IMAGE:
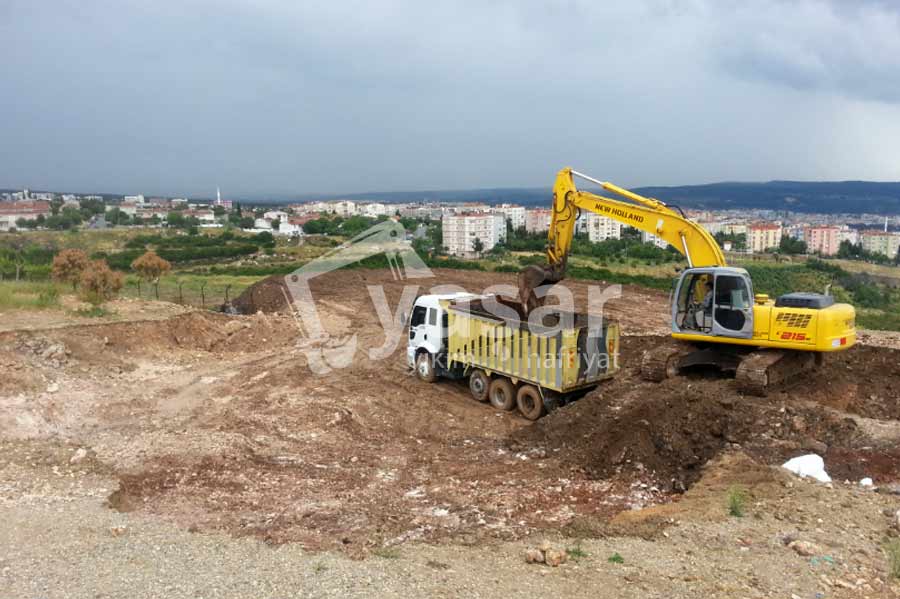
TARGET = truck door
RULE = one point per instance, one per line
(733, 306)
(417, 326)
(425, 329)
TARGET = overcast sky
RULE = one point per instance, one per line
(286, 96)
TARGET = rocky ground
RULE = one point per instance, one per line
(194, 454)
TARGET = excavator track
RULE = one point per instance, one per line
(761, 371)
(662, 362)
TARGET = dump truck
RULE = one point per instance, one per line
(510, 361)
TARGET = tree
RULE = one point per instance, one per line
(477, 246)
(69, 265)
(99, 283)
(151, 268)
(789, 245)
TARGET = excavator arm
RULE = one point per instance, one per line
(646, 214)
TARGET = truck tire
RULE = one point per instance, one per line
(479, 383)
(502, 394)
(530, 403)
(425, 367)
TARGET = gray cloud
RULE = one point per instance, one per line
(288, 97)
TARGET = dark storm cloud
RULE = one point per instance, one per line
(283, 96)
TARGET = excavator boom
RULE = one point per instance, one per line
(647, 214)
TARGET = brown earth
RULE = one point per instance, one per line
(217, 423)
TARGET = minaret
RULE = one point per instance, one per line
(218, 197)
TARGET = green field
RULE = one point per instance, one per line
(209, 280)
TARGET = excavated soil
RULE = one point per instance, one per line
(217, 422)
(269, 295)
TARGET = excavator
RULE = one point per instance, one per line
(717, 320)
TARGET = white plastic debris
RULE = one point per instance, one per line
(809, 465)
(866, 482)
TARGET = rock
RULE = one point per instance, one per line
(893, 489)
(799, 424)
(79, 455)
(554, 557)
(546, 546)
(534, 556)
(813, 445)
(52, 387)
(866, 482)
(118, 531)
(844, 584)
(897, 520)
(805, 548)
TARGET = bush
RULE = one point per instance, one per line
(69, 265)
(99, 283)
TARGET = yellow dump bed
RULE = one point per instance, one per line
(564, 353)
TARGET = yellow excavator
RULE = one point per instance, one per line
(717, 320)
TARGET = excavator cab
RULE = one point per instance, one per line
(715, 301)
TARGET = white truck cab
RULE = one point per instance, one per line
(428, 331)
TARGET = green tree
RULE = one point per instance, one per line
(789, 245)
(477, 246)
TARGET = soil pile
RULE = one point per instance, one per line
(670, 430)
(269, 296)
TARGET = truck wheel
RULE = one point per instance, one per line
(478, 385)
(502, 394)
(530, 403)
(425, 367)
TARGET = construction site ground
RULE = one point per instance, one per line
(181, 453)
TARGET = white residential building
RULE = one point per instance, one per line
(651, 238)
(462, 229)
(848, 234)
(261, 223)
(763, 236)
(537, 220)
(514, 214)
(344, 208)
(275, 215)
(138, 199)
(373, 209)
(601, 228)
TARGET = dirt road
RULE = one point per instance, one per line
(204, 435)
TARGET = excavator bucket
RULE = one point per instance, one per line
(530, 278)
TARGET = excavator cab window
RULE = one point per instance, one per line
(733, 305)
(694, 312)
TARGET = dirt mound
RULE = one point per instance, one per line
(670, 430)
(269, 296)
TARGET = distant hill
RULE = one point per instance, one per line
(797, 196)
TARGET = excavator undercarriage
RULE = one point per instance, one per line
(756, 370)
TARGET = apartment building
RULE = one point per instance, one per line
(824, 240)
(601, 228)
(537, 220)
(880, 242)
(651, 238)
(28, 210)
(460, 230)
(848, 234)
(763, 236)
(514, 214)
(374, 209)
